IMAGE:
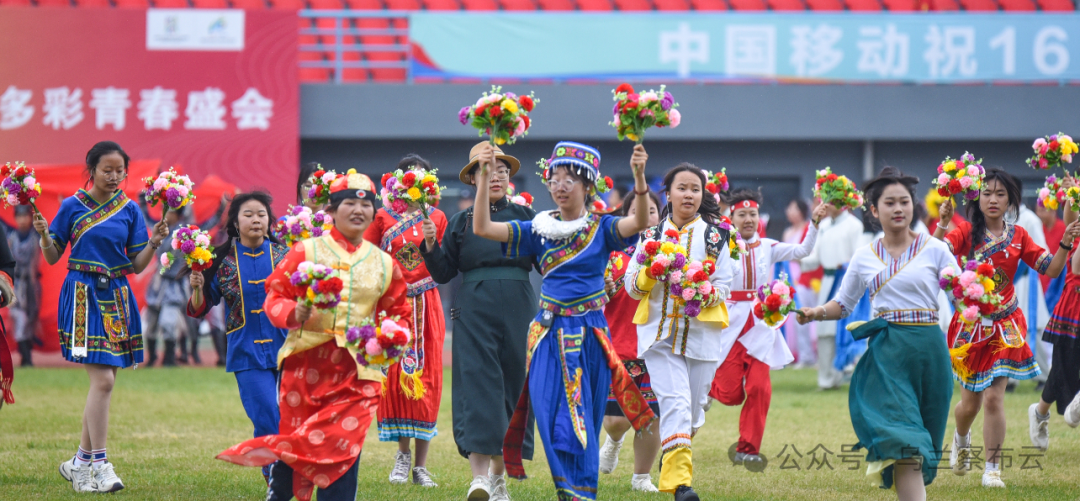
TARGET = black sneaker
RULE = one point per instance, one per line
(685, 493)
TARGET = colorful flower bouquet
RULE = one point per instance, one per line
(524, 198)
(962, 176)
(1052, 151)
(615, 262)
(662, 258)
(379, 343)
(504, 117)
(19, 187)
(299, 223)
(320, 186)
(1073, 195)
(736, 244)
(1051, 195)
(172, 190)
(320, 285)
(634, 113)
(692, 286)
(774, 302)
(837, 190)
(412, 186)
(717, 183)
(194, 244)
(973, 289)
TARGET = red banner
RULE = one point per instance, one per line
(221, 97)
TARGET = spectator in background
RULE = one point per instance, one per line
(801, 341)
(24, 313)
(163, 312)
(616, 197)
(1053, 229)
(303, 184)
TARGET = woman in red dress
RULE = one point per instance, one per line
(620, 314)
(409, 406)
(986, 356)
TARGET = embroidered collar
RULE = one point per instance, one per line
(87, 200)
(992, 245)
(547, 225)
(684, 227)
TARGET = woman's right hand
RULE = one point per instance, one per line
(804, 315)
(609, 284)
(196, 280)
(302, 313)
(487, 161)
(41, 225)
(945, 213)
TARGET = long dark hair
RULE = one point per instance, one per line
(306, 170)
(709, 210)
(975, 213)
(876, 187)
(232, 229)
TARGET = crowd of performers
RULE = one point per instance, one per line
(603, 347)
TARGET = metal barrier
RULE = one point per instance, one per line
(345, 41)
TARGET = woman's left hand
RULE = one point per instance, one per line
(1072, 232)
(818, 214)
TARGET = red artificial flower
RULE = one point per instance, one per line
(1053, 145)
(958, 291)
(820, 182)
(20, 171)
(598, 205)
(631, 102)
(610, 184)
(496, 111)
(709, 266)
(525, 118)
(831, 177)
(386, 342)
(671, 234)
(624, 88)
(700, 276)
(652, 247)
(757, 311)
(526, 103)
(772, 302)
(943, 191)
(986, 308)
(711, 187)
(429, 186)
(528, 198)
(985, 269)
(332, 285)
(318, 173)
(319, 190)
(6, 169)
(408, 179)
(386, 177)
(955, 187)
(656, 270)
(400, 338)
(480, 110)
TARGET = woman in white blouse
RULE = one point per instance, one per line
(901, 388)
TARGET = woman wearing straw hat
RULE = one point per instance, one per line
(491, 317)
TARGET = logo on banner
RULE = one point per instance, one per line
(195, 30)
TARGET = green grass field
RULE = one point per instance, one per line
(167, 425)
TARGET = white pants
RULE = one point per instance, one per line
(681, 386)
(827, 376)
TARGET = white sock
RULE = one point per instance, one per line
(494, 478)
(645, 476)
(992, 467)
(964, 441)
(1042, 417)
(616, 442)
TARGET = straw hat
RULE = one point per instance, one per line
(474, 159)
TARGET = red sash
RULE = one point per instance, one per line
(740, 296)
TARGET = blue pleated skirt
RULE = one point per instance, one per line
(104, 321)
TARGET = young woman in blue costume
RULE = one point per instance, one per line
(238, 276)
(570, 360)
(98, 318)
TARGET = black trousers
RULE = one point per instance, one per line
(1063, 382)
(281, 484)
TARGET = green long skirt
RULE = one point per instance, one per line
(900, 397)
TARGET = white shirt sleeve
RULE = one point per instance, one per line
(723, 276)
(632, 270)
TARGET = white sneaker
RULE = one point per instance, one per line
(498, 488)
(643, 483)
(81, 477)
(609, 455)
(992, 479)
(105, 479)
(960, 457)
(402, 463)
(422, 477)
(1038, 429)
(480, 489)
(1072, 412)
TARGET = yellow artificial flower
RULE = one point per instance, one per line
(509, 105)
(351, 171)
(631, 136)
(1051, 203)
(500, 141)
(960, 173)
(414, 193)
(950, 166)
(430, 179)
(310, 294)
(667, 247)
(775, 318)
(1073, 191)
(988, 285)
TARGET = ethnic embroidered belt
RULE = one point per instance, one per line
(740, 296)
(420, 287)
(578, 307)
(909, 316)
(99, 270)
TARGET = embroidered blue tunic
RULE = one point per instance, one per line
(568, 376)
(98, 317)
(241, 281)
